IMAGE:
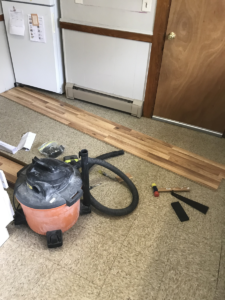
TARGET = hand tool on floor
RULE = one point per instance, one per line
(180, 212)
(117, 178)
(155, 190)
(198, 206)
(166, 190)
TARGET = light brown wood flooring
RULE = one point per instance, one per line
(177, 160)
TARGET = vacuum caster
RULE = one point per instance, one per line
(84, 210)
(19, 217)
(54, 238)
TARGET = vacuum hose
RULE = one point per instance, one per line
(86, 163)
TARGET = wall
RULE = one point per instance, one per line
(105, 64)
(6, 71)
(115, 14)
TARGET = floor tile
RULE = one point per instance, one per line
(220, 289)
(152, 231)
(220, 294)
(201, 227)
(199, 259)
(64, 284)
(21, 270)
(91, 256)
(177, 285)
(134, 275)
(115, 227)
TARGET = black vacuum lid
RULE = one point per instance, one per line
(47, 183)
(50, 171)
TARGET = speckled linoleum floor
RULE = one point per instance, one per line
(148, 255)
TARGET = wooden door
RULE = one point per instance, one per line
(192, 78)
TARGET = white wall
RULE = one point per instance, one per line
(105, 64)
(116, 14)
(6, 71)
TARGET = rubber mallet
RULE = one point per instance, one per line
(155, 190)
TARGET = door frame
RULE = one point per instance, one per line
(159, 37)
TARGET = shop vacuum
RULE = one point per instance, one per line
(49, 192)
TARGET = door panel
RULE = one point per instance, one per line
(192, 79)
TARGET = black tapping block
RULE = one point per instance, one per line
(180, 212)
(198, 206)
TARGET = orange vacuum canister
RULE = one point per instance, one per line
(49, 192)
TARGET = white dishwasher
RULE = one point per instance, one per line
(34, 39)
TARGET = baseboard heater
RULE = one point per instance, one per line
(134, 107)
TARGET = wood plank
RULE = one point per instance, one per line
(9, 157)
(107, 32)
(10, 169)
(171, 166)
(177, 160)
(194, 166)
(199, 163)
(221, 168)
(36, 108)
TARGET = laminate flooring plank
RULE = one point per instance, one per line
(37, 102)
(193, 166)
(35, 108)
(70, 107)
(201, 158)
(177, 160)
(119, 128)
(199, 163)
(176, 168)
(110, 130)
(203, 168)
(88, 131)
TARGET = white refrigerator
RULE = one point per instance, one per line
(34, 40)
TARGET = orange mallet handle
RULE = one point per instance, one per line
(175, 189)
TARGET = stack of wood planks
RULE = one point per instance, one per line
(177, 160)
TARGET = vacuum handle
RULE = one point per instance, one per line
(74, 199)
(43, 165)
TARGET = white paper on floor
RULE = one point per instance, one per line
(25, 143)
